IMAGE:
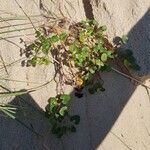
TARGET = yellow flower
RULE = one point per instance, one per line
(78, 81)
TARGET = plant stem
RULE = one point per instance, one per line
(127, 146)
(25, 14)
(9, 37)
(18, 18)
(132, 78)
(30, 129)
(16, 30)
(20, 24)
(4, 64)
(18, 81)
(1, 38)
(13, 62)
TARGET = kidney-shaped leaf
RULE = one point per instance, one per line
(65, 99)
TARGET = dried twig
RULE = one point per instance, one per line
(121, 140)
(7, 79)
(19, 18)
(10, 37)
(1, 38)
(25, 14)
(4, 64)
(20, 24)
(132, 78)
(27, 28)
(12, 63)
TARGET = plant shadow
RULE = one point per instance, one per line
(98, 112)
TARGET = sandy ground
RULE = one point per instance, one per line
(118, 119)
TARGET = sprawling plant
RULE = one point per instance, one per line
(80, 52)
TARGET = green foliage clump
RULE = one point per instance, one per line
(41, 48)
(58, 114)
(85, 50)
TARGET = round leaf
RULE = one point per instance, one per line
(104, 57)
(73, 48)
(63, 110)
(54, 39)
(99, 62)
(92, 71)
(65, 99)
(52, 103)
(124, 39)
(62, 36)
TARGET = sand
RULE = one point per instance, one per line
(119, 118)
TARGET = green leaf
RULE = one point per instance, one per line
(15, 93)
(63, 36)
(10, 111)
(46, 61)
(87, 76)
(96, 87)
(43, 61)
(85, 23)
(57, 115)
(75, 119)
(78, 63)
(54, 39)
(126, 63)
(80, 57)
(97, 47)
(45, 47)
(37, 34)
(52, 103)
(102, 89)
(7, 113)
(124, 39)
(110, 54)
(82, 37)
(89, 31)
(73, 48)
(104, 57)
(33, 61)
(42, 38)
(65, 99)
(63, 110)
(85, 50)
(99, 62)
(92, 71)
(94, 22)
